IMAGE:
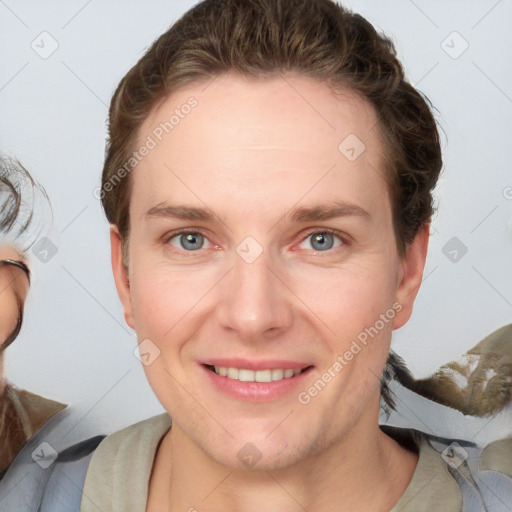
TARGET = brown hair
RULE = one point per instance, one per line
(319, 39)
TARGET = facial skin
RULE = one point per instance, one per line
(252, 152)
(13, 281)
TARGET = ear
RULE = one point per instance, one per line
(121, 275)
(411, 275)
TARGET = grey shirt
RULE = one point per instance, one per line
(118, 475)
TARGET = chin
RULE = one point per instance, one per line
(259, 457)
(258, 450)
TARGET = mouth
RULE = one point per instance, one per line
(261, 384)
(247, 375)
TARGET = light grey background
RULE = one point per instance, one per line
(75, 346)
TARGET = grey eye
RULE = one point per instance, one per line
(323, 241)
(189, 241)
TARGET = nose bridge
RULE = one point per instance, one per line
(254, 301)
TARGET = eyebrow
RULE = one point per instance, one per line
(327, 211)
(319, 212)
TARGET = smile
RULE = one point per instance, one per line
(254, 380)
(245, 375)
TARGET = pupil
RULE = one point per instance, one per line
(190, 239)
(323, 239)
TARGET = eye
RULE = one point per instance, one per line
(324, 240)
(190, 241)
(187, 240)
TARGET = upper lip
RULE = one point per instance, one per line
(252, 364)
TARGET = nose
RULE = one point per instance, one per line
(256, 303)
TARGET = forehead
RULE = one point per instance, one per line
(252, 137)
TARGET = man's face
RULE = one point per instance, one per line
(259, 287)
(13, 282)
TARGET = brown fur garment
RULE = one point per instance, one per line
(21, 414)
(479, 384)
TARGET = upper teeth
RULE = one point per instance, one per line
(255, 376)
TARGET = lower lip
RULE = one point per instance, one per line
(255, 391)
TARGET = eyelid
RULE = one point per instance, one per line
(344, 238)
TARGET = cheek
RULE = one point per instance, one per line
(349, 303)
(9, 310)
(160, 316)
(147, 306)
(347, 299)
(168, 309)
(159, 300)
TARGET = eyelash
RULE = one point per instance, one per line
(333, 232)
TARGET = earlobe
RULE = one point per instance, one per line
(121, 275)
(411, 275)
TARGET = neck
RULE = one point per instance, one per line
(364, 470)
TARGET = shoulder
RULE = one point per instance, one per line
(456, 474)
(49, 470)
(432, 488)
(497, 456)
(132, 440)
(21, 415)
(121, 465)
